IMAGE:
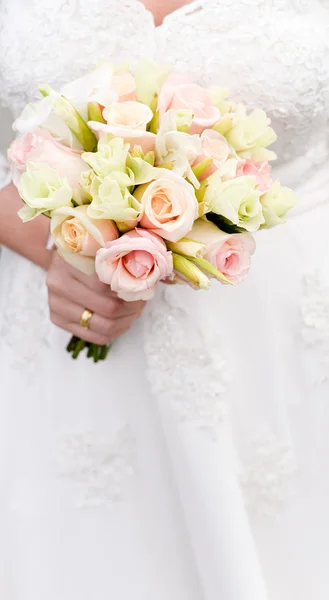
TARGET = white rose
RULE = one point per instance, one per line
(96, 86)
(78, 237)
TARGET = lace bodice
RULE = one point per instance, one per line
(270, 53)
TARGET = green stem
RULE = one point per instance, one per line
(95, 352)
(72, 343)
(78, 348)
(104, 352)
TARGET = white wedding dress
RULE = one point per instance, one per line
(193, 463)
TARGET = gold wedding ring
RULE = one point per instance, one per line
(86, 318)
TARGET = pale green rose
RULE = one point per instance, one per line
(237, 200)
(276, 203)
(113, 200)
(219, 97)
(141, 170)
(235, 113)
(42, 190)
(86, 180)
(251, 135)
(111, 156)
(150, 78)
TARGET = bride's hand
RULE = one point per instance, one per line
(70, 292)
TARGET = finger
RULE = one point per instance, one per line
(71, 313)
(64, 280)
(111, 330)
(78, 294)
(85, 334)
(92, 282)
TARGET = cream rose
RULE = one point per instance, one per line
(40, 147)
(127, 120)
(78, 237)
(125, 86)
(169, 206)
(134, 264)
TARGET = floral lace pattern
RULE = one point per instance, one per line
(96, 469)
(315, 319)
(267, 473)
(290, 82)
(185, 368)
(25, 324)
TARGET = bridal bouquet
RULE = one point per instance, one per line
(147, 176)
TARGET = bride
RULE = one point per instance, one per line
(192, 463)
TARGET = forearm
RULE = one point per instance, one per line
(28, 239)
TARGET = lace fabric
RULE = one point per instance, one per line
(290, 81)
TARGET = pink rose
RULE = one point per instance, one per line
(177, 94)
(214, 146)
(169, 206)
(40, 147)
(133, 264)
(229, 253)
(127, 120)
(125, 86)
(262, 172)
(78, 237)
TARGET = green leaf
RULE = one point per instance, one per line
(95, 113)
(224, 224)
(45, 90)
(150, 158)
(201, 167)
(200, 193)
(153, 126)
